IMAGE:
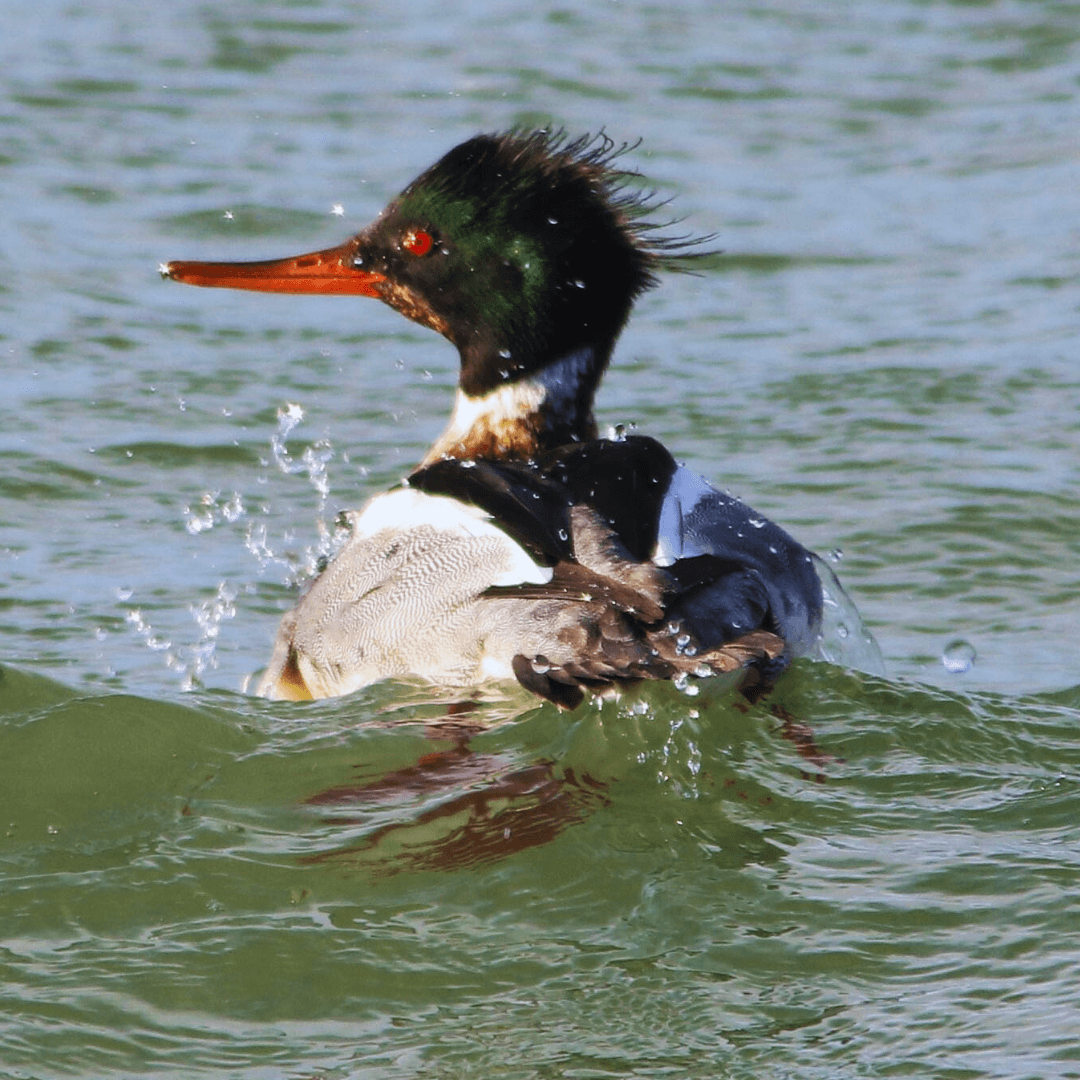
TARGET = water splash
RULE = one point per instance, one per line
(208, 616)
(190, 661)
(844, 638)
(314, 459)
(144, 630)
(680, 756)
(619, 432)
(213, 508)
(211, 511)
(314, 463)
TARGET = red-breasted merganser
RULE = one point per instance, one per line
(524, 546)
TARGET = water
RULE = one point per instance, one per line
(866, 876)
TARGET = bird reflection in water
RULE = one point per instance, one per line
(491, 810)
(502, 810)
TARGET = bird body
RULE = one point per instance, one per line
(524, 546)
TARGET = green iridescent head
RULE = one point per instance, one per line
(520, 248)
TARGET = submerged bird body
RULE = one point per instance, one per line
(524, 546)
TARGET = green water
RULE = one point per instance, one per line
(655, 888)
(867, 875)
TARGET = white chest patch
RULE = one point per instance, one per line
(514, 401)
(404, 509)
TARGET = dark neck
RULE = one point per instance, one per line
(523, 419)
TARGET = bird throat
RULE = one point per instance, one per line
(524, 418)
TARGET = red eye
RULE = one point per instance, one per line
(417, 242)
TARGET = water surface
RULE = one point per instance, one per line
(867, 876)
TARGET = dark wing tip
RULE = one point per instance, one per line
(567, 695)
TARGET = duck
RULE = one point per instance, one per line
(525, 546)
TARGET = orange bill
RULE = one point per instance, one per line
(328, 272)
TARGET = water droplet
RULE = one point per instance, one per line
(234, 508)
(758, 523)
(682, 682)
(958, 656)
(836, 555)
(563, 535)
(579, 284)
(504, 353)
(197, 521)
